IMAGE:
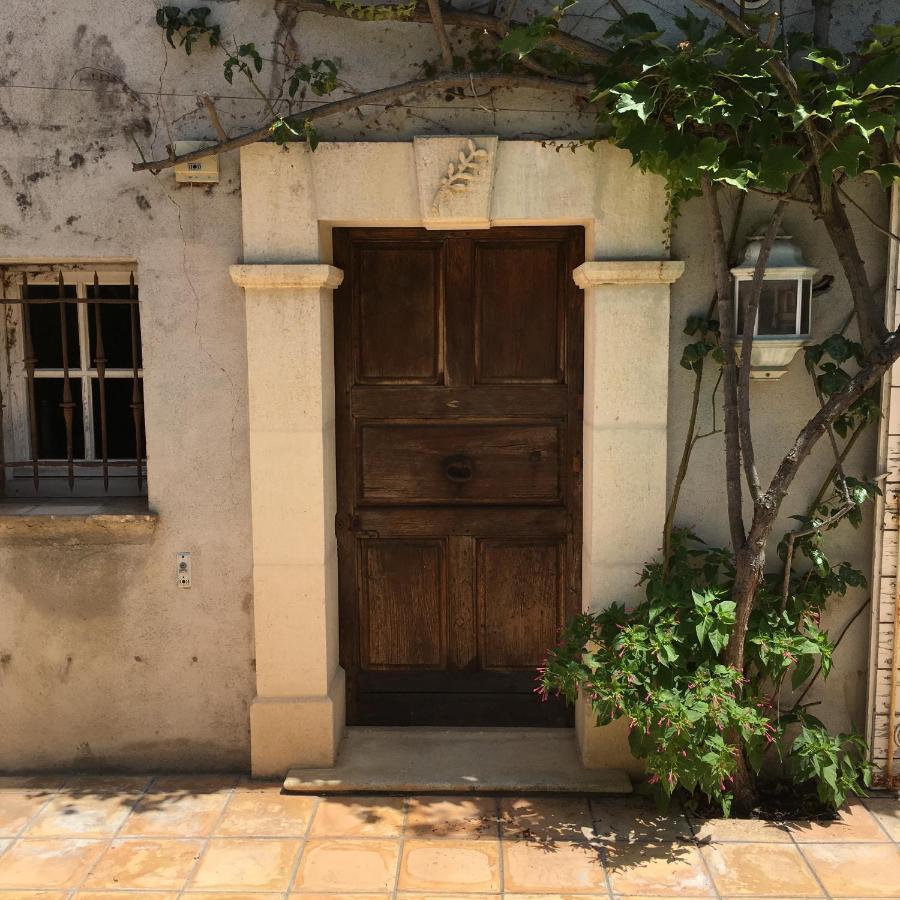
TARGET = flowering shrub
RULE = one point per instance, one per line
(659, 666)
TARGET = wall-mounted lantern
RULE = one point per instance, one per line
(783, 318)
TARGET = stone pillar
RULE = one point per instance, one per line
(626, 370)
(297, 717)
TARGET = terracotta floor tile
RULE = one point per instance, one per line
(450, 865)
(175, 812)
(353, 896)
(268, 813)
(33, 895)
(119, 895)
(657, 869)
(329, 865)
(753, 830)
(762, 870)
(457, 817)
(235, 864)
(408, 895)
(887, 811)
(145, 864)
(82, 815)
(48, 863)
(546, 818)
(636, 820)
(860, 870)
(358, 817)
(578, 896)
(532, 866)
(18, 807)
(225, 895)
(855, 823)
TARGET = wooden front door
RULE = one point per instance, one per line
(458, 403)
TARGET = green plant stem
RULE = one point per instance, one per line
(680, 476)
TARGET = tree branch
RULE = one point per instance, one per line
(872, 330)
(588, 51)
(434, 8)
(726, 330)
(878, 227)
(888, 353)
(749, 326)
(207, 101)
(383, 96)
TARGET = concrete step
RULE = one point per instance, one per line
(458, 760)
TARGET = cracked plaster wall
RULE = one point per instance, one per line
(104, 663)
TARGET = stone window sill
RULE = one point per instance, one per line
(120, 520)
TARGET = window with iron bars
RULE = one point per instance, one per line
(71, 385)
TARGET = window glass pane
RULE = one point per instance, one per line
(44, 322)
(51, 424)
(119, 419)
(115, 321)
(778, 307)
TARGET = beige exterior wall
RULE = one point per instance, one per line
(103, 661)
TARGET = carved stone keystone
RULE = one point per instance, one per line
(455, 176)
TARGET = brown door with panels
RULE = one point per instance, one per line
(458, 359)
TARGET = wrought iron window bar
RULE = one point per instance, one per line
(93, 300)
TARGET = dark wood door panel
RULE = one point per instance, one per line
(400, 314)
(516, 340)
(403, 613)
(486, 401)
(430, 463)
(521, 604)
(458, 374)
(473, 521)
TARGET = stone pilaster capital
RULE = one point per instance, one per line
(281, 276)
(628, 271)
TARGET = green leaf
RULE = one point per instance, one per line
(828, 57)
(843, 155)
(778, 165)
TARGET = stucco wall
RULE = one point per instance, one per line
(103, 661)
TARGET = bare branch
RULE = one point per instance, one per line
(872, 330)
(214, 116)
(821, 22)
(866, 377)
(434, 8)
(382, 96)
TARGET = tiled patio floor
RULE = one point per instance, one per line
(215, 838)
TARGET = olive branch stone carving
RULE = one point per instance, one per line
(460, 174)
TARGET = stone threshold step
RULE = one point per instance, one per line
(458, 760)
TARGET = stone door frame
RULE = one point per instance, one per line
(291, 199)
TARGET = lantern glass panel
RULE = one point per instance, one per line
(777, 307)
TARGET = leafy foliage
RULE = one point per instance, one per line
(659, 667)
(713, 103)
(188, 26)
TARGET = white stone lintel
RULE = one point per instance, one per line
(287, 277)
(628, 271)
